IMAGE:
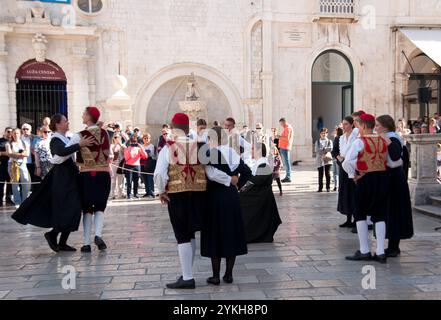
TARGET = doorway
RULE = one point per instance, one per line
(332, 91)
(40, 92)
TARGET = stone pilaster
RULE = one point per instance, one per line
(4, 90)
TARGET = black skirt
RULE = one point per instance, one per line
(371, 197)
(95, 191)
(223, 233)
(399, 216)
(57, 202)
(346, 194)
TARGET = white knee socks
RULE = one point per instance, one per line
(380, 232)
(186, 257)
(193, 248)
(99, 223)
(87, 226)
(363, 236)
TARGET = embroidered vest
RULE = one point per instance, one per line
(374, 156)
(94, 157)
(185, 172)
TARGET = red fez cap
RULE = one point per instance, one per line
(361, 112)
(181, 119)
(94, 112)
(367, 117)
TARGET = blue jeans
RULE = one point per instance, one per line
(149, 184)
(21, 191)
(132, 177)
(286, 158)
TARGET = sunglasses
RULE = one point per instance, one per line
(25, 129)
(47, 132)
(9, 131)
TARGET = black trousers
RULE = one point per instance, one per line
(325, 170)
(34, 178)
(4, 177)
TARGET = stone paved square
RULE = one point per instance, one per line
(306, 261)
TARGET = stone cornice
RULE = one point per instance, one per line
(27, 29)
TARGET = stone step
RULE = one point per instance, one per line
(436, 201)
(433, 211)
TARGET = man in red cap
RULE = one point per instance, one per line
(366, 163)
(182, 184)
(95, 180)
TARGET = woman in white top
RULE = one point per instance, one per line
(323, 149)
(18, 153)
(346, 194)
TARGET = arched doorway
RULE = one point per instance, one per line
(40, 92)
(423, 93)
(332, 90)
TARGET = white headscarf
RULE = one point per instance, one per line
(230, 156)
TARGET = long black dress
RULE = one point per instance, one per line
(399, 222)
(346, 191)
(57, 203)
(259, 207)
(223, 234)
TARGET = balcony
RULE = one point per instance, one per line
(335, 10)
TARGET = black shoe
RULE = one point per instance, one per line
(66, 248)
(354, 230)
(214, 281)
(392, 253)
(335, 189)
(328, 190)
(9, 202)
(381, 258)
(228, 279)
(286, 180)
(181, 284)
(358, 256)
(51, 242)
(100, 244)
(319, 191)
(347, 224)
(86, 249)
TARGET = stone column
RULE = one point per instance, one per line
(79, 88)
(423, 181)
(4, 90)
(267, 68)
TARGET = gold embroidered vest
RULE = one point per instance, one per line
(185, 172)
(94, 158)
(374, 156)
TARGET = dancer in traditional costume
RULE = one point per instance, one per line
(399, 220)
(95, 177)
(260, 213)
(346, 193)
(366, 163)
(57, 203)
(223, 233)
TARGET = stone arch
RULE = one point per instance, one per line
(148, 90)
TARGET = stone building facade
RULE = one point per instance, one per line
(256, 60)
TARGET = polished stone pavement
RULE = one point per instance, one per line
(305, 262)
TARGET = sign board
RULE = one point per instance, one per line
(295, 35)
(40, 71)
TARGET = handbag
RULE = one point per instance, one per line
(121, 165)
(327, 157)
(15, 172)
